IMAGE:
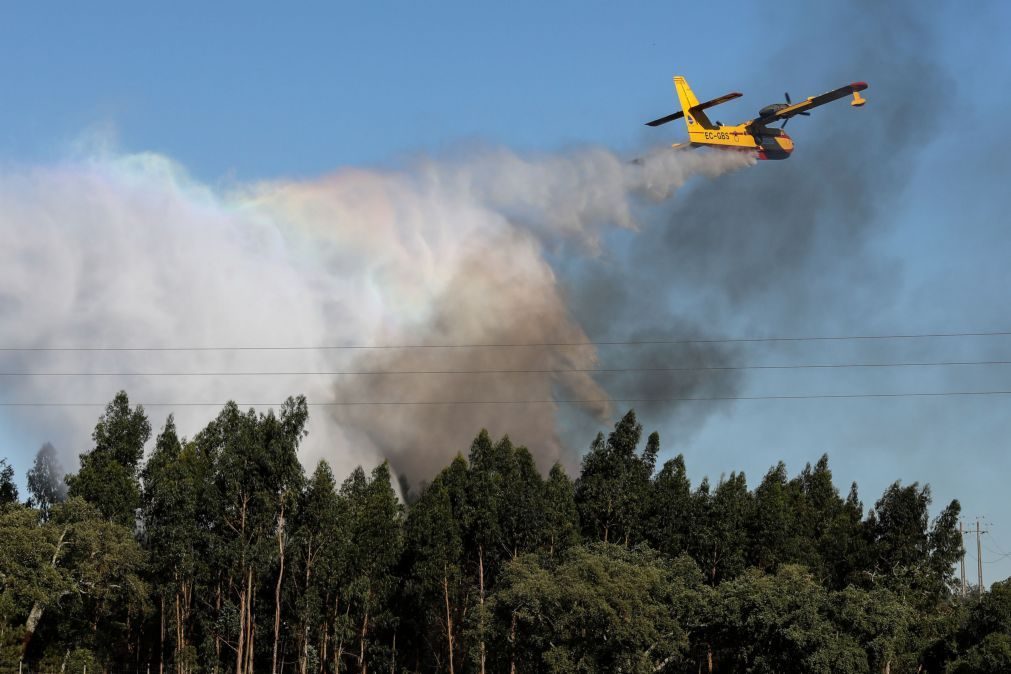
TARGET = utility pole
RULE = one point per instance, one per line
(979, 558)
(961, 535)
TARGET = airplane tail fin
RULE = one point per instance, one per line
(688, 101)
(691, 109)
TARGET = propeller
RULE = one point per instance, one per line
(786, 95)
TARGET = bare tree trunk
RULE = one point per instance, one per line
(217, 638)
(480, 577)
(161, 638)
(709, 657)
(34, 616)
(303, 665)
(361, 641)
(240, 661)
(184, 620)
(251, 625)
(180, 667)
(512, 644)
(277, 588)
(325, 641)
(449, 620)
(339, 653)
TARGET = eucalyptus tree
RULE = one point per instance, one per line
(254, 478)
(613, 489)
(434, 566)
(670, 525)
(375, 536)
(719, 538)
(171, 516)
(319, 551)
(781, 622)
(88, 590)
(984, 639)
(597, 608)
(8, 489)
(46, 480)
(906, 551)
(561, 514)
(108, 475)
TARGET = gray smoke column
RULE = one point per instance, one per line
(129, 250)
(790, 248)
(505, 211)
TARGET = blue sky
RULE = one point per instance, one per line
(239, 92)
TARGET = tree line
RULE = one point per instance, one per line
(220, 554)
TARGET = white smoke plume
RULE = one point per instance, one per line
(127, 250)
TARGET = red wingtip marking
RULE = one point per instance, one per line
(859, 86)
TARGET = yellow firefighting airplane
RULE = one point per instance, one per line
(755, 135)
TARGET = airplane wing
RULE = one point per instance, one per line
(669, 118)
(812, 102)
(701, 106)
(716, 101)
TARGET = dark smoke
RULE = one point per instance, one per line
(787, 248)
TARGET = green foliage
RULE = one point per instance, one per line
(561, 515)
(718, 538)
(563, 609)
(108, 476)
(777, 623)
(45, 480)
(985, 637)
(79, 572)
(218, 553)
(26, 575)
(8, 490)
(320, 554)
(122, 432)
(613, 489)
(375, 543)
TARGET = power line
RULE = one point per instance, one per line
(366, 403)
(1000, 555)
(701, 368)
(647, 342)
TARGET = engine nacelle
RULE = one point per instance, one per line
(772, 109)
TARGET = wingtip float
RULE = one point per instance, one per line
(755, 135)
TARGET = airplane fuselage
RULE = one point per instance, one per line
(767, 143)
(757, 136)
